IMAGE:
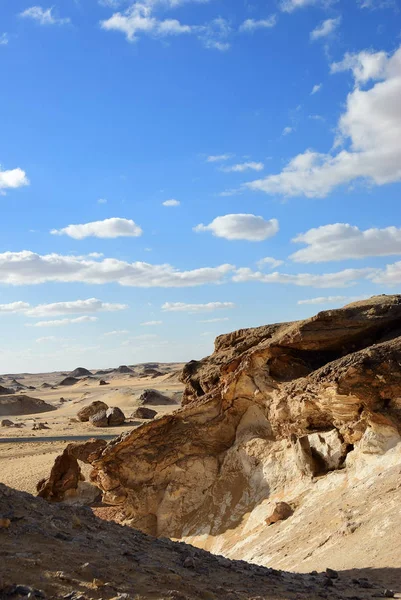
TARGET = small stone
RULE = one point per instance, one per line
(189, 563)
(4, 523)
(331, 574)
(388, 594)
(98, 582)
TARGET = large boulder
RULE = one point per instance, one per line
(92, 409)
(99, 419)
(144, 413)
(115, 416)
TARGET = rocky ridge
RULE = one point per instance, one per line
(272, 408)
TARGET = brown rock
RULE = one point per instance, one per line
(144, 413)
(281, 512)
(115, 416)
(85, 413)
(99, 419)
(103, 382)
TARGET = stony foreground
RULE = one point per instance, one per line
(53, 551)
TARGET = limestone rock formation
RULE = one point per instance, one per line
(271, 408)
(88, 411)
(66, 473)
(281, 512)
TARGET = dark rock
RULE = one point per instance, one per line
(115, 416)
(144, 413)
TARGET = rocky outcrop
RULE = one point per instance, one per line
(155, 398)
(123, 369)
(66, 473)
(271, 409)
(69, 381)
(23, 405)
(80, 372)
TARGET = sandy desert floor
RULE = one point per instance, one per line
(27, 455)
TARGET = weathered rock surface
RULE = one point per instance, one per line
(88, 411)
(99, 419)
(281, 512)
(66, 474)
(54, 552)
(270, 409)
(144, 413)
(115, 416)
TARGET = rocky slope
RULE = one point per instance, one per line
(308, 413)
(53, 551)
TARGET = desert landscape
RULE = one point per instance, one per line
(278, 454)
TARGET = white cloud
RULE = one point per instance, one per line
(29, 268)
(327, 280)
(138, 19)
(331, 300)
(271, 262)
(215, 34)
(43, 16)
(116, 332)
(370, 126)
(219, 157)
(373, 4)
(241, 227)
(47, 338)
(91, 305)
(109, 228)
(215, 320)
(14, 307)
(3, 39)
(325, 28)
(12, 179)
(316, 88)
(251, 25)
(171, 202)
(151, 323)
(241, 167)
(287, 130)
(391, 275)
(102, 201)
(291, 5)
(365, 66)
(61, 322)
(196, 308)
(342, 241)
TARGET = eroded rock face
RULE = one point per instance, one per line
(272, 408)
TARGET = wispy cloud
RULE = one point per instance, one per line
(171, 203)
(219, 157)
(242, 167)
(251, 25)
(62, 322)
(241, 227)
(316, 88)
(3, 39)
(325, 28)
(109, 228)
(43, 16)
(196, 308)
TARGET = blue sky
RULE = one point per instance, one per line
(275, 128)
